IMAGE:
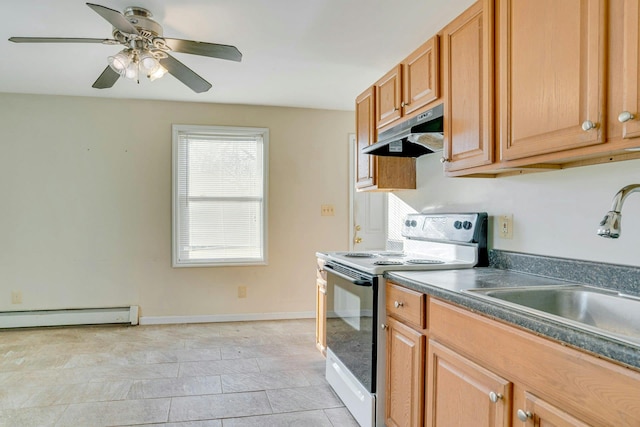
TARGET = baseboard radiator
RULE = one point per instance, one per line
(80, 316)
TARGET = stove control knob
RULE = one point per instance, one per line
(457, 225)
(407, 223)
(467, 225)
(414, 223)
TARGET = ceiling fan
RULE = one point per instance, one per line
(146, 50)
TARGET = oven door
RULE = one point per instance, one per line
(352, 300)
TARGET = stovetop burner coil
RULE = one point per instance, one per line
(392, 254)
(388, 262)
(424, 261)
(359, 255)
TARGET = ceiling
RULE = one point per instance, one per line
(309, 53)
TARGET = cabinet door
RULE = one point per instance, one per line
(365, 136)
(462, 393)
(468, 88)
(388, 94)
(405, 375)
(420, 78)
(540, 413)
(321, 315)
(551, 75)
(630, 115)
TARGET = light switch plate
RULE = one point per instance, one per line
(327, 210)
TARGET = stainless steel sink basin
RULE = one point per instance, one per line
(601, 311)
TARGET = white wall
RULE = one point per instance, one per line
(85, 206)
(555, 213)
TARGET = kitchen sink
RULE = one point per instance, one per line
(599, 310)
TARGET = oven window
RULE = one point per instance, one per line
(350, 327)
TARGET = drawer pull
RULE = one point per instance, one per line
(384, 327)
(588, 125)
(398, 304)
(524, 416)
(494, 397)
(625, 116)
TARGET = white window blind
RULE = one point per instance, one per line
(219, 203)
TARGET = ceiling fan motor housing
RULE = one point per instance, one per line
(142, 19)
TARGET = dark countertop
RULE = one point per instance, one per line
(449, 284)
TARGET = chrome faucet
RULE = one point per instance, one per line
(611, 223)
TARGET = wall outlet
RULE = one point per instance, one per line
(16, 297)
(242, 291)
(505, 226)
(327, 210)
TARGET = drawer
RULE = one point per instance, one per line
(406, 304)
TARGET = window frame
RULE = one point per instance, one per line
(176, 215)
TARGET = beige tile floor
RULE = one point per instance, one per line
(200, 375)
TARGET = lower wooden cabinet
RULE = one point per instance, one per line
(462, 393)
(405, 375)
(464, 369)
(540, 413)
(554, 385)
(321, 307)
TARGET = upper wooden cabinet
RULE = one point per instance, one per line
(365, 136)
(551, 73)
(468, 88)
(421, 77)
(567, 89)
(629, 112)
(389, 97)
(375, 173)
(409, 86)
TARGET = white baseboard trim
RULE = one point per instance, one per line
(81, 316)
(216, 318)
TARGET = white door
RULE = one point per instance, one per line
(368, 211)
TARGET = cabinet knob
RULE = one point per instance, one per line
(385, 327)
(443, 160)
(404, 104)
(494, 397)
(587, 125)
(625, 116)
(524, 416)
(398, 304)
(357, 240)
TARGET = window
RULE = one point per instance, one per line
(219, 195)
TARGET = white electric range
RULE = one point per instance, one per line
(356, 349)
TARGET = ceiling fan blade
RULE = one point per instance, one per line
(107, 79)
(213, 50)
(60, 40)
(185, 74)
(115, 18)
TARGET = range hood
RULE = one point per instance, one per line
(419, 135)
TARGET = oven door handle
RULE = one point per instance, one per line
(357, 282)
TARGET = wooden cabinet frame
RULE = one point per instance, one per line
(468, 67)
(541, 122)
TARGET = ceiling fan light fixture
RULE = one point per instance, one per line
(157, 73)
(148, 62)
(120, 61)
(131, 72)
